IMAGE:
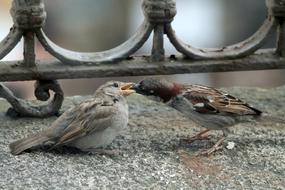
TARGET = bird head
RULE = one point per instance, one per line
(115, 88)
(161, 88)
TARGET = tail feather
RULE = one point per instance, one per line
(267, 117)
(257, 111)
(19, 146)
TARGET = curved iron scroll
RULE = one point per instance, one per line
(238, 50)
(10, 41)
(25, 108)
(118, 53)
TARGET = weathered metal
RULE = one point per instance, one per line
(119, 53)
(238, 50)
(29, 18)
(10, 41)
(26, 108)
(28, 14)
(138, 66)
(277, 10)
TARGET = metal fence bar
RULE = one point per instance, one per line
(116, 54)
(29, 49)
(139, 66)
(10, 41)
(29, 18)
(276, 8)
(238, 50)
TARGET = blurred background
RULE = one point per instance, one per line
(96, 25)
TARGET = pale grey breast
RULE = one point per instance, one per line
(113, 127)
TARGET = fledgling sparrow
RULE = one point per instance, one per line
(206, 106)
(89, 126)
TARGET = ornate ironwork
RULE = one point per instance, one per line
(25, 108)
(29, 18)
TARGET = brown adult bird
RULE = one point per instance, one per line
(206, 106)
(89, 126)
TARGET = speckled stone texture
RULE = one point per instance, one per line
(152, 156)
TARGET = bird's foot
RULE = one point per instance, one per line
(214, 148)
(203, 135)
(97, 151)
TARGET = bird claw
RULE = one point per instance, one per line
(103, 152)
(210, 151)
(200, 137)
(215, 148)
(203, 136)
(192, 139)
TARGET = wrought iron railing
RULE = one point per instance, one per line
(29, 18)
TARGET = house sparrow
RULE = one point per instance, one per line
(206, 106)
(88, 126)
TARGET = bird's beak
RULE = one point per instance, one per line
(137, 89)
(127, 89)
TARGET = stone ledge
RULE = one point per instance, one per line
(152, 156)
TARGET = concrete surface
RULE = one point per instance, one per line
(152, 156)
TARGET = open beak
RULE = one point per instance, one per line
(137, 89)
(126, 89)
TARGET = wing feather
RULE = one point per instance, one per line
(210, 100)
(92, 116)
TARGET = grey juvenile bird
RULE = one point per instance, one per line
(208, 107)
(88, 126)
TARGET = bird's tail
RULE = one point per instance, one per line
(19, 146)
(264, 117)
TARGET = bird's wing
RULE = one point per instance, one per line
(210, 100)
(92, 115)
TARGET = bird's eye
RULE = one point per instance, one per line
(116, 85)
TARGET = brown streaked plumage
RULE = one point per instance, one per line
(207, 106)
(88, 126)
(216, 101)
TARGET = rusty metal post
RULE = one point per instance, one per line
(277, 10)
(28, 16)
(29, 49)
(159, 13)
(157, 53)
